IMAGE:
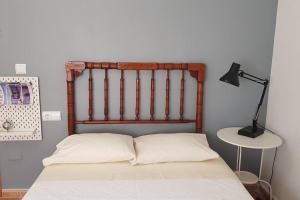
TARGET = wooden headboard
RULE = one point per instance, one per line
(73, 69)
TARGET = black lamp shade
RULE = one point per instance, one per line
(232, 76)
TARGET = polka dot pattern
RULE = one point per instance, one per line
(22, 116)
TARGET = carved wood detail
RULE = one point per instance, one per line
(74, 69)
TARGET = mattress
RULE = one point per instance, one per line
(209, 180)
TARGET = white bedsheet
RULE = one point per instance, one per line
(210, 180)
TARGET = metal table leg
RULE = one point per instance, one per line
(260, 172)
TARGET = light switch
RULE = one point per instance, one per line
(51, 115)
(20, 68)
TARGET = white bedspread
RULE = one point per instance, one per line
(210, 180)
(139, 190)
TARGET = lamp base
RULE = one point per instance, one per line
(250, 132)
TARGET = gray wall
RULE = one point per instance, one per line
(46, 34)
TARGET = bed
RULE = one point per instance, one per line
(210, 179)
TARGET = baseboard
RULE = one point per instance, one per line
(13, 194)
(14, 190)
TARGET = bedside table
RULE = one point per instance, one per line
(267, 140)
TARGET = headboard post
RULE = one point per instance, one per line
(73, 69)
(198, 72)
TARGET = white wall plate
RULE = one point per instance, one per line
(51, 116)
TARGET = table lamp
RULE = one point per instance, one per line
(232, 77)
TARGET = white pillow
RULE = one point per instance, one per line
(177, 147)
(93, 148)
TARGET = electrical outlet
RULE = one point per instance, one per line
(51, 115)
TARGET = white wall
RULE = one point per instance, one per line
(284, 100)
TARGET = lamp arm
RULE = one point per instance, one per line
(260, 81)
(252, 77)
(255, 118)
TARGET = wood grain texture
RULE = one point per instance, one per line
(133, 121)
(12, 194)
(73, 69)
(137, 96)
(91, 109)
(152, 100)
(71, 107)
(198, 72)
(182, 95)
(106, 95)
(151, 66)
(199, 108)
(167, 107)
(122, 95)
